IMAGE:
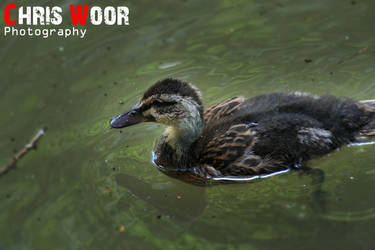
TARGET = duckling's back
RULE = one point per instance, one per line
(342, 116)
(285, 127)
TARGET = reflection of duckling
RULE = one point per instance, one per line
(240, 137)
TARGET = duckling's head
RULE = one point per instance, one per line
(171, 102)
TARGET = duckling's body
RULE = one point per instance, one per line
(247, 137)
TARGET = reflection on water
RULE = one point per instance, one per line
(86, 182)
(361, 143)
(245, 179)
(184, 204)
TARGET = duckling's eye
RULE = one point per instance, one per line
(163, 103)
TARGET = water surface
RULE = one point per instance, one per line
(90, 187)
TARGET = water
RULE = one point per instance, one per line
(90, 187)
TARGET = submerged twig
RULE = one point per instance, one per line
(22, 152)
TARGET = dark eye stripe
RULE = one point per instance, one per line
(163, 104)
(157, 104)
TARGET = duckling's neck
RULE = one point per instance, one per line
(184, 133)
(177, 140)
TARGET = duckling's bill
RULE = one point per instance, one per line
(129, 118)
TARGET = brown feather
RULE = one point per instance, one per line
(231, 153)
(219, 111)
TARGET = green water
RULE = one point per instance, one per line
(90, 187)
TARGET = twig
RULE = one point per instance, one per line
(22, 152)
(358, 52)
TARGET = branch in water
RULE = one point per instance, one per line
(22, 152)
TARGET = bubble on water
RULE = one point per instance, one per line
(61, 48)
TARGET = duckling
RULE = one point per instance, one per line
(241, 139)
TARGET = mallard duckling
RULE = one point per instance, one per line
(240, 139)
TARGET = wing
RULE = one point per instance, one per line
(294, 138)
(222, 109)
(231, 154)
